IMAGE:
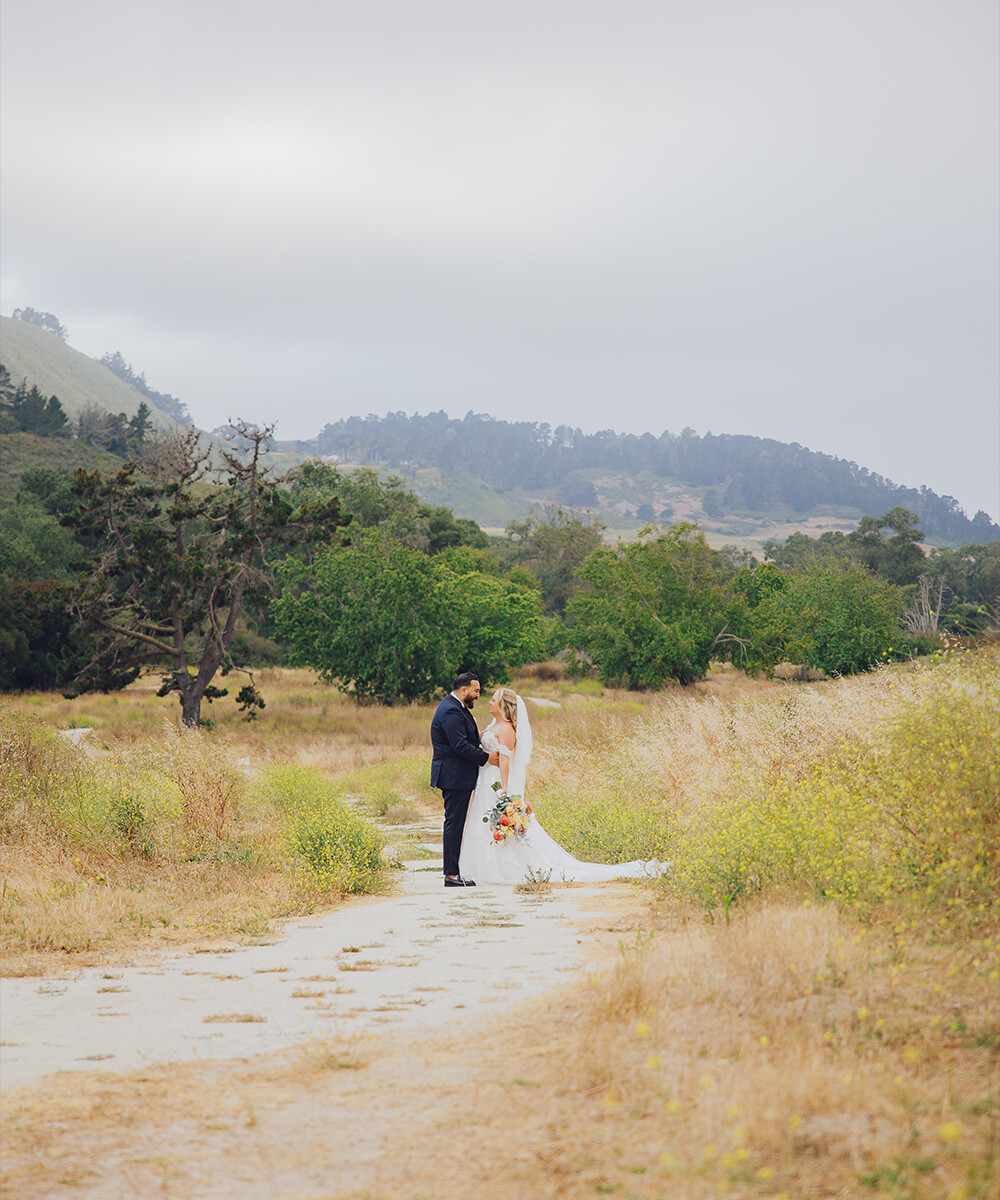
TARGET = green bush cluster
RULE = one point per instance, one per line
(294, 818)
(913, 813)
(388, 622)
(334, 847)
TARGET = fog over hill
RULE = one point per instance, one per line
(736, 486)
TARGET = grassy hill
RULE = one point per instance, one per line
(20, 452)
(619, 497)
(80, 382)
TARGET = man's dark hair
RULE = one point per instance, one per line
(464, 680)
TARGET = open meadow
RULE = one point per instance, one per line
(806, 1005)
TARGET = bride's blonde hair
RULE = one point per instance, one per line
(506, 699)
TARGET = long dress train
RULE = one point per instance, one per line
(509, 862)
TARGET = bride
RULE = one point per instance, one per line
(487, 861)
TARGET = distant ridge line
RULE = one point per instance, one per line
(747, 474)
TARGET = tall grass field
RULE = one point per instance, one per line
(808, 1006)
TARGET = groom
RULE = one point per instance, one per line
(455, 766)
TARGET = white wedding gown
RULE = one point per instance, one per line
(486, 861)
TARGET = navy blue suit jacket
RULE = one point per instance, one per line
(457, 752)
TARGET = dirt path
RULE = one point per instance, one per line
(370, 1025)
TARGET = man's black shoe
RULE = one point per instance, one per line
(449, 882)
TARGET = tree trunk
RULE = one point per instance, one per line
(191, 707)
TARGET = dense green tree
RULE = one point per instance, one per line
(51, 488)
(27, 409)
(800, 550)
(371, 500)
(756, 583)
(464, 559)
(968, 580)
(650, 610)
(389, 623)
(490, 625)
(444, 531)
(971, 574)
(176, 555)
(898, 558)
(839, 619)
(33, 544)
(365, 615)
(748, 637)
(364, 495)
(40, 646)
(553, 545)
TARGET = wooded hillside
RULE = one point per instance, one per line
(740, 474)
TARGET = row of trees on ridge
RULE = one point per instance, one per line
(743, 473)
(196, 560)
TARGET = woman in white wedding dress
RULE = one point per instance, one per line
(487, 861)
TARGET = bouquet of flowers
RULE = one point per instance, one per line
(509, 817)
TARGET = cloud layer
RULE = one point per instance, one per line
(776, 219)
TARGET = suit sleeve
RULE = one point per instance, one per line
(454, 728)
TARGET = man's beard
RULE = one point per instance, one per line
(468, 702)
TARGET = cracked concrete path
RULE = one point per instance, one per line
(426, 960)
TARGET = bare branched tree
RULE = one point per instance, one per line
(923, 615)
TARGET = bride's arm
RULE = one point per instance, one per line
(505, 736)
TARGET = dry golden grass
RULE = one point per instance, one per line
(103, 891)
(61, 909)
(792, 1053)
(309, 722)
(686, 749)
(145, 840)
(306, 721)
(612, 771)
(792, 1049)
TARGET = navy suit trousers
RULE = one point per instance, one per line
(456, 808)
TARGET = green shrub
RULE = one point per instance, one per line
(912, 812)
(340, 850)
(131, 824)
(837, 619)
(649, 611)
(335, 847)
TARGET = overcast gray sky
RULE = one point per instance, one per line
(774, 218)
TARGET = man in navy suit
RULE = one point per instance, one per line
(455, 766)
